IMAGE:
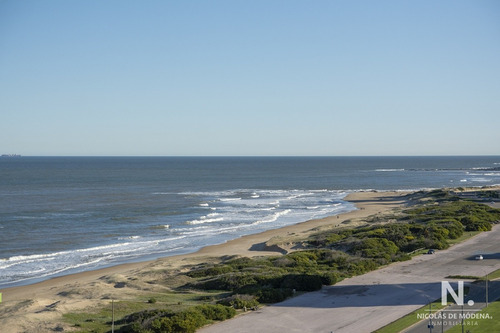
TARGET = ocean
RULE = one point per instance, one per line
(61, 215)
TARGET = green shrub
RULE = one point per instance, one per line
(401, 257)
(216, 312)
(244, 262)
(333, 238)
(143, 316)
(272, 295)
(238, 301)
(455, 228)
(231, 281)
(186, 321)
(332, 259)
(439, 194)
(375, 248)
(361, 266)
(210, 271)
(183, 322)
(398, 233)
(330, 278)
(302, 282)
(473, 223)
(303, 258)
(283, 262)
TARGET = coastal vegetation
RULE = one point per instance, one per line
(233, 284)
(168, 321)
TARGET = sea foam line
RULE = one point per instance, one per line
(274, 217)
(205, 220)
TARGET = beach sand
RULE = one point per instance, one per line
(39, 307)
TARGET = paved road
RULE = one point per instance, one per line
(370, 301)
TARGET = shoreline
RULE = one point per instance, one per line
(204, 249)
(167, 237)
(42, 304)
(245, 245)
(23, 306)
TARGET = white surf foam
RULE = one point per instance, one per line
(274, 217)
(205, 220)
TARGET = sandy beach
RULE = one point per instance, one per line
(39, 307)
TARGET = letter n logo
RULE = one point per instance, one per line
(447, 288)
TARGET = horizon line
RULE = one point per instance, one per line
(433, 155)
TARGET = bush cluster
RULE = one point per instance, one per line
(429, 226)
(187, 321)
(238, 301)
(472, 215)
(273, 279)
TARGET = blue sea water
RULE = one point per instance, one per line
(60, 215)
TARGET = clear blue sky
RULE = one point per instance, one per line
(250, 77)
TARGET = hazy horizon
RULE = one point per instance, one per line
(245, 156)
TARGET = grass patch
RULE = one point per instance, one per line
(464, 277)
(409, 319)
(99, 321)
(493, 275)
(418, 252)
(464, 237)
(490, 323)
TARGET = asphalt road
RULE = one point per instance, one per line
(370, 301)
